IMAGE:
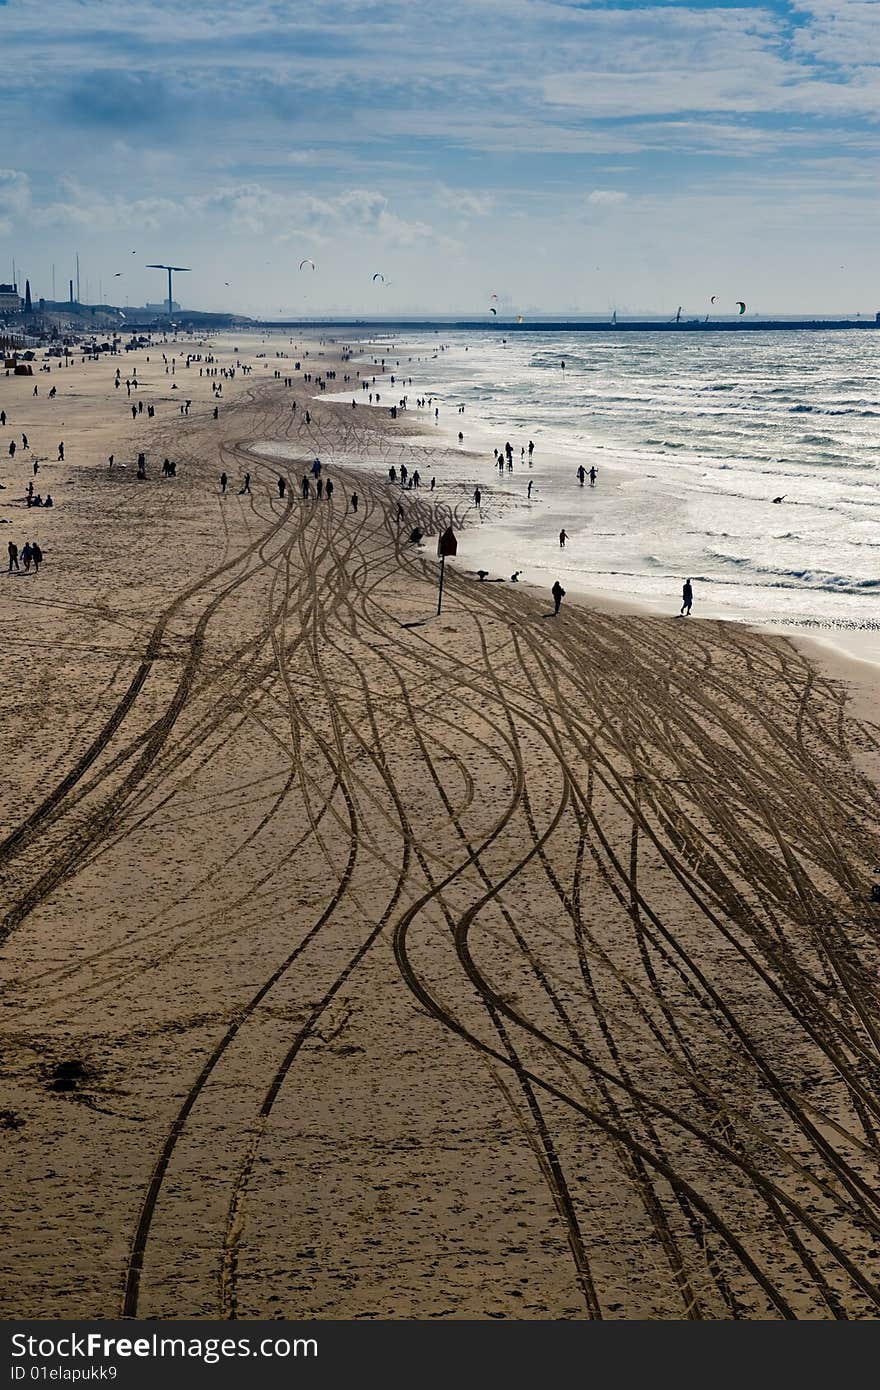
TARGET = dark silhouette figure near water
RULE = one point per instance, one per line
(282, 487)
(563, 537)
(687, 598)
(558, 595)
(223, 483)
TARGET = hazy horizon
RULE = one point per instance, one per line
(584, 156)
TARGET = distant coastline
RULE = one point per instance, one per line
(572, 325)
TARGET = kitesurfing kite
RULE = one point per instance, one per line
(712, 298)
(493, 311)
(519, 318)
(493, 296)
(308, 261)
(379, 276)
(116, 274)
(742, 307)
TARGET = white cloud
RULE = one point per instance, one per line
(467, 202)
(15, 191)
(606, 197)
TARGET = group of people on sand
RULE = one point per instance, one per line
(31, 554)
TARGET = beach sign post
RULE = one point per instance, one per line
(447, 545)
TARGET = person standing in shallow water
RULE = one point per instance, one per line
(558, 595)
(563, 537)
(687, 599)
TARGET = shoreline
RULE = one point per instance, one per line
(860, 641)
(860, 645)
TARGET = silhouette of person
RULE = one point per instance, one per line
(563, 537)
(687, 596)
(558, 595)
(13, 556)
(223, 483)
(354, 501)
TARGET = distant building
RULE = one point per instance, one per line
(10, 299)
(163, 307)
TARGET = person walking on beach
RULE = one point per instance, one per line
(529, 489)
(531, 450)
(329, 490)
(354, 501)
(319, 488)
(61, 452)
(223, 484)
(593, 474)
(478, 497)
(282, 486)
(687, 598)
(563, 537)
(305, 487)
(24, 441)
(37, 557)
(558, 595)
(26, 554)
(246, 485)
(13, 556)
(581, 474)
(12, 448)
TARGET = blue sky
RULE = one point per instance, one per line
(567, 157)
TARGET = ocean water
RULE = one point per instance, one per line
(693, 437)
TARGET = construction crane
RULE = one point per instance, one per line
(169, 268)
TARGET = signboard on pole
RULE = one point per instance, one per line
(447, 545)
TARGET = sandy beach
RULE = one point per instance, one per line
(360, 963)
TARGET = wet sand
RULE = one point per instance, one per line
(360, 963)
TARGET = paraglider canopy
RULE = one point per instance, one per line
(742, 307)
(307, 261)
